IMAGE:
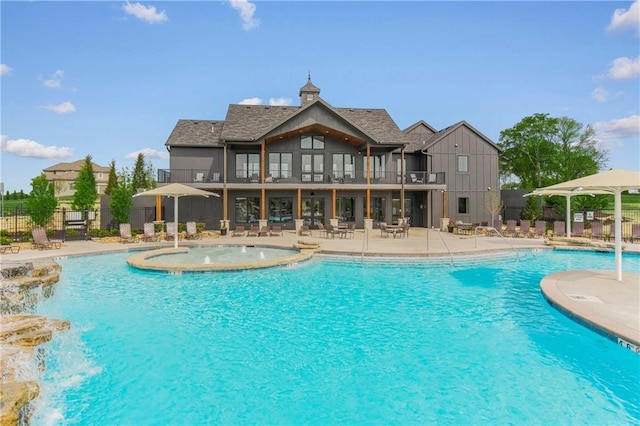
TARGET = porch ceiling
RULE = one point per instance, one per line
(319, 128)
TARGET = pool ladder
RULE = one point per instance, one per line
(490, 228)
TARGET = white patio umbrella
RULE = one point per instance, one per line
(176, 190)
(615, 182)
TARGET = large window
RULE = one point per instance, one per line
(377, 209)
(463, 205)
(247, 209)
(280, 209)
(280, 165)
(312, 142)
(344, 166)
(345, 209)
(396, 211)
(312, 167)
(248, 166)
(463, 163)
(377, 166)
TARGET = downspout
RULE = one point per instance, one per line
(368, 182)
(402, 184)
(225, 194)
(263, 192)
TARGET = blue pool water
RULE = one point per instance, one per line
(331, 342)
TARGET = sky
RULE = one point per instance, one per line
(111, 79)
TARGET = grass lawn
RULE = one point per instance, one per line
(629, 202)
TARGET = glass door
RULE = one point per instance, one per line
(313, 211)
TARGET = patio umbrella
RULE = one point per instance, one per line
(176, 190)
(615, 182)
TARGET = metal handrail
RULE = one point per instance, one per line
(475, 232)
(445, 245)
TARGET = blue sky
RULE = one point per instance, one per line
(111, 79)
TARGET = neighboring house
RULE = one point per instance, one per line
(64, 175)
(316, 162)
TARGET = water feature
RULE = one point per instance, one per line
(332, 342)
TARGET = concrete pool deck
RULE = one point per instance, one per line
(593, 297)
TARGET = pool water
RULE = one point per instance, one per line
(222, 255)
(332, 342)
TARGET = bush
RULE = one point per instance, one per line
(200, 226)
(5, 241)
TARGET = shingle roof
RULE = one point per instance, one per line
(309, 87)
(248, 122)
(447, 130)
(377, 123)
(196, 133)
(75, 166)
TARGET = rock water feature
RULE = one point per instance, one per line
(22, 286)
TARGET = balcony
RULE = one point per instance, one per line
(200, 176)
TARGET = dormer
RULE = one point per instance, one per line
(308, 92)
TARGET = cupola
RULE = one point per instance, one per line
(308, 92)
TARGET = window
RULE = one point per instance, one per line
(377, 166)
(400, 171)
(396, 212)
(280, 210)
(463, 163)
(247, 210)
(377, 209)
(312, 168)
(309, 96)
(247, 166)
(345, 209)
(463, 205)
(312, 142)
(344, 166)
(280, 164)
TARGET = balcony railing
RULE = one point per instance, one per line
(205, 176)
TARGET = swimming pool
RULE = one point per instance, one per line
(332, 341)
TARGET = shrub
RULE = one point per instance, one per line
(5, 240)
(200, 226)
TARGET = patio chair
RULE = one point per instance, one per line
(305, 231)
(596, 230)
(383, 229)
(351, 231)
(635, 232)
(253, 231)
(264, 231)
(540, 229)
(577, 229)
(171, 232)
(11, 248)
(238, 232)
(415, 178)
(150, 233)
(276, 230)
(559, 228)
(511, 228)
(525, 228)
(125, 234)
(322, 230)
(192, 231)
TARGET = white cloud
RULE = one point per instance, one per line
(611, 133)
(600, 94)
(55, 82)
(280, 101)
(148, 153)
(32, 149)
(251, 101)
(63, 108)
(624, 68)
(144, 13)
(5, 69)
(247, 10)
(623, 18)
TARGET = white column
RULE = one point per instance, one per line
(617, 217)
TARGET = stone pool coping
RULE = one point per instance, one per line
(141, 260)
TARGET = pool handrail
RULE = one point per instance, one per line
(489, 228)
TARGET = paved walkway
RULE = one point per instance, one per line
(592, 296)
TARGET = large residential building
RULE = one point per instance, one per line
(64, 175)
(316, 163)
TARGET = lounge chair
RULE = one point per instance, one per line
(253, 231)
(264, 231)
(322, 229)
(525, 228)
(635, 232)
(577, 229)
(276, 230)
(192, 231)
(540, 229)
(351, 231)
(41, 241)
(305, 231)
(596, 230)
(238, 232)
(559, 228)
(125, 234)
(171, 232)
(150, 233)
(511, 228)
(11, 248)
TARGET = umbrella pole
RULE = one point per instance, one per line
(617, 223)
(175, 218)
(568, 216)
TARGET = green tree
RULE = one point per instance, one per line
(532, 210)
(578, 153)
(86, 193)
(150, 176)
(42, 203)
(122, 198)
(139, 179)
(113, 179)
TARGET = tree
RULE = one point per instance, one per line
(532, 210)
(139, 179)
(122, 198)
(85, 196)
(493, 204)
(113, 179)
(578, 153)
(42, 202)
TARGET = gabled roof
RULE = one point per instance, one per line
(447, 131)
(75, 166)
(248, 122)
(309, 87)
(196, 133)
(419, 124)
(378, 123)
